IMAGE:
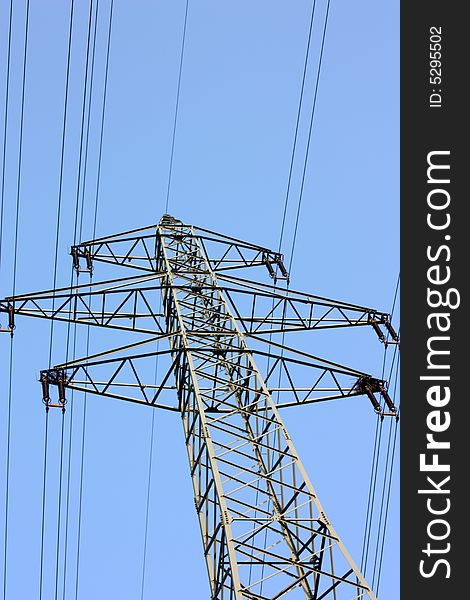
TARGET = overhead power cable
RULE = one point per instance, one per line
(176, 107)
(82, 178)
(43, 514)
(67, 493)
(286, 200)
(61, 174)
(56, 254)
(15, 256)
(94, 221)
(147, 503)
(376, 453)
(5, 128)
(389, 487)
(103, 111)
(312, 117)
(59, 504)
(299, 110)
(87, 132)
(386, 487)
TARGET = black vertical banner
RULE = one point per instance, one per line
(435, 234)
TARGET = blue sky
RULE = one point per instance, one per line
(239, 94)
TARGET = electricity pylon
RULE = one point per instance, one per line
(264, 531)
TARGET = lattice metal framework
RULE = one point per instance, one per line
(265, 533)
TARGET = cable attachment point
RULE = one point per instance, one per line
(169, 221)
(78, 253)
(8, 308)
(376, 328)
(367, 386)
(274, 258)
(370, 386)
(388, 401)
(280, 263)
(58, 378)
(393, 334)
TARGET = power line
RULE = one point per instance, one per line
(90, 96)
(80, 497)
(7, 88)
(55, 276)
(67, 495)
(20, 150)
(98, 176)
(371, 494)
(80, 155)
(286, 201)
(147, 508)
(95, 213)
(59, 512)
(83, 437)
(307, 52)
(15, 255)
(312, 116)
(376, 451)
(51, 337)
(389, 486)
(5, 121)
(176, 107)
(7, 481)
(149, 479)
(43, 519)
(61, 175)
(389, 461)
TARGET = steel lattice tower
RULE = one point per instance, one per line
(264, 531)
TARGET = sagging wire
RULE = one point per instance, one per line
(67, 495)
(51, 338)
(59, 504)
(87, 133)
(299, 110)
(66, 541)
(376, 452)
(7, 88)
(386, 489)
(95, 214)
(15, 256)
(80, 156)
(103, 110)
(80, 493)
(149, 480)
(5, 126)
(304, 167)
(58, 221)
(43, 517)
(389, 487)
(176, 107)
(147, 508)
(312, 117)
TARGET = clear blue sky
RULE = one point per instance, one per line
(240, 87)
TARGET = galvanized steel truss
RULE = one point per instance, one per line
(265, 534)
